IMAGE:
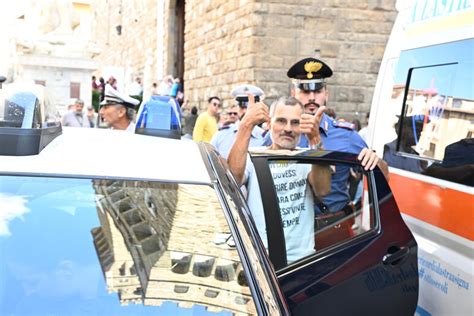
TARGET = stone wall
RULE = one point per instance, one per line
(220, 48)
(230, 42)
(133, 49)
(251, 41)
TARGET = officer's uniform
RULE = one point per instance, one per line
(310, 74)
(224, 139)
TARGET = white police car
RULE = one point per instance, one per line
(103, 222)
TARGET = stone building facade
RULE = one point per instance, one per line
(48, 43)
(217, 44)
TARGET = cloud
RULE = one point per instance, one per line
(11, 207)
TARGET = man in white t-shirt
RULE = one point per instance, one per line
(287, 121)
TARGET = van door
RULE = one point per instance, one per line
(361, 258)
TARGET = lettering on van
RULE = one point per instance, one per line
(439, 277)
(428, 9)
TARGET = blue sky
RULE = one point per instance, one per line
(453, 80)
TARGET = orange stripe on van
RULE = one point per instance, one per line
(445, 208)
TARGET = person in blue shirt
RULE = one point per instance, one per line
(309, 87)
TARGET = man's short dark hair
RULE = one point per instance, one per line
(291, 101)
(212, 98)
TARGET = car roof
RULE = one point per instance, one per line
(104, 153)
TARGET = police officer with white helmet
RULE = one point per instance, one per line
(224, 139)
(118, 110)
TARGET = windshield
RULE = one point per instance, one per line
(82, 246)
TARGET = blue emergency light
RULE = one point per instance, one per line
(159, 116)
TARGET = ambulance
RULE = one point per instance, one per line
(422, 122)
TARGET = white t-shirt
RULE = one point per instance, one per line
(296, 206)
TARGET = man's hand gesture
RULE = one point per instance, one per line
(309, 125)
(256, 114)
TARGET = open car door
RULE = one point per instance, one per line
(361, 258)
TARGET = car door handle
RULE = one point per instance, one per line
(395, 255)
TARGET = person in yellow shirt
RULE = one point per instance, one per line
(206, 123)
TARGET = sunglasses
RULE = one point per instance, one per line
(232, 113)
(216, 104)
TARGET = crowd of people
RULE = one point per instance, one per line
(301, 120)
(169, 86)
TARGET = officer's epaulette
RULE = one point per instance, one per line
(343, 124)
(224, 127)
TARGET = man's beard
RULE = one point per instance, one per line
(286, 144)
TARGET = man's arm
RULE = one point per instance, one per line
(320, 180)
(256, 113)
(238, 153)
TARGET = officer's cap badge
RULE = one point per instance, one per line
(310, 67)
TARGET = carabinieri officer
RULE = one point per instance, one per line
(309, 87)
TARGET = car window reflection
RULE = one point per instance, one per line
(160, 247)
(176, 246)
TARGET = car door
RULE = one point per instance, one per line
(364, 260)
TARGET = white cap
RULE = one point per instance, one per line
(242, 90)
(112, 96)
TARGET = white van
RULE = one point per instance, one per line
(422, 120)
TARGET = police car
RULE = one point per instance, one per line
(104, 222)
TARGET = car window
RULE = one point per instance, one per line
(313, 223)
(149, 245)
(432, 102)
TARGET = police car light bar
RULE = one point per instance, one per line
(28, 121)
(159, 116)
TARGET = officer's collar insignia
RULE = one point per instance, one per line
(344, 124)
(310, 67)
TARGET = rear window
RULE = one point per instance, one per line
(83, 246)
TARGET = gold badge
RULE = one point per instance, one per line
(310, 67)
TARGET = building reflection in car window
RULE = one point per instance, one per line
(179, 246)
(159, 247)
(307, 220)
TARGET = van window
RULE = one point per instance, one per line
(434, 92)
